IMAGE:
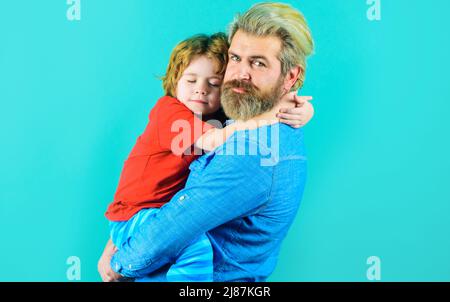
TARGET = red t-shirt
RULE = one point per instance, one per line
(153, 174)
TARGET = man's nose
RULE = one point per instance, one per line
(244, 74)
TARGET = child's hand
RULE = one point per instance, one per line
(104, 266)
(298, 116)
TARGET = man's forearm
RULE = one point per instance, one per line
(192, 212)
(159, 241)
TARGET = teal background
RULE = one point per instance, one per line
(75, 95)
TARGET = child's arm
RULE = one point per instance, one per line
(217, 136)
(296, 117)
(299, 115)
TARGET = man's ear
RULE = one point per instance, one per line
(291, 77)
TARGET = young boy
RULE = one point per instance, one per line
(154, 171)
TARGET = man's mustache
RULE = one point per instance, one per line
(247, 86)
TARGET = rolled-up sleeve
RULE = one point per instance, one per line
(229, 186)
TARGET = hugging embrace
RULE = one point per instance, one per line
(221, 216)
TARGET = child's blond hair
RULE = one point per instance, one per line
(214, 47)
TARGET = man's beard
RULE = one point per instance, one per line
(251, 103)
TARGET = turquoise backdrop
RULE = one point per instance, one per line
(75, 95)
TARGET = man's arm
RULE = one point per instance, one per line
(229, 187)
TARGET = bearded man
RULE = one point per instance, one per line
(245, 205)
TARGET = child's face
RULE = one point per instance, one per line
(199, 86)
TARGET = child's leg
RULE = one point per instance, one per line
(194, 264)
(122, 230)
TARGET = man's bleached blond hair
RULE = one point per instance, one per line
(286, 23)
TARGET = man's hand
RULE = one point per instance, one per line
(104, 264)
(299, 115)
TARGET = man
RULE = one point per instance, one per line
(245, 194)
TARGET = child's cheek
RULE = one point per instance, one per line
(216, 101)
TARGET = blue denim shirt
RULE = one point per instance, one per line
(245, 194)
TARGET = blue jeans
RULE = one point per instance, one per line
(194, 262)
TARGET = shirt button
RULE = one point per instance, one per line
(130, 266)
(117, 267)
(181, 198)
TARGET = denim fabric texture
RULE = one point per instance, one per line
(194, 263)
(245, 194)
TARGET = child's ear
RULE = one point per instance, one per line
(291, 77)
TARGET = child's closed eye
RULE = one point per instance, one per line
(214, 84)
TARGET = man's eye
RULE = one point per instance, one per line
(234, 58)
(259, 64)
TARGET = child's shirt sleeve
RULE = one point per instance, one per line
(177, 126)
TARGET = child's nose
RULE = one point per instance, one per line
(201, 89)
